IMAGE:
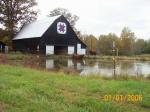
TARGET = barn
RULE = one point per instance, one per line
(2, 46)
(52, 35)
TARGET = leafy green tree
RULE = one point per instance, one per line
(15, 13)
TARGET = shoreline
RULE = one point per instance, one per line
(96, 57)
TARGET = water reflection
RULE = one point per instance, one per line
(49, 64)
(105, 68)
(65, 63)
(84, 67)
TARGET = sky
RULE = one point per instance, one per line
(104, 16)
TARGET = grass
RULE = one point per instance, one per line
(29, 90)
(21, 56)
(17, 56)
(135, 57)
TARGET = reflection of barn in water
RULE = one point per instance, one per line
(53, 35)
(65, 63)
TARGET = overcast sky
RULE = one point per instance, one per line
(104, 16)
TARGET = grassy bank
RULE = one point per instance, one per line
(28, 90)
(20, 56)
(135, 57)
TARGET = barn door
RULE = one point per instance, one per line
(70, 50)
(78, 48)
(80, 51)
(49, 49)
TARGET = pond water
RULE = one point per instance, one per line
(105, 68)
(85, 67)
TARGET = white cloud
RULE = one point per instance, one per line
(104, 16)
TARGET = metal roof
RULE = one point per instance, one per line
(36, 28)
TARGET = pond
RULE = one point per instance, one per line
(84, 67)
(105, 68)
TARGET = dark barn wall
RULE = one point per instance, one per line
(51, 37)
(60, 50)
(2, 47)
(26, 45)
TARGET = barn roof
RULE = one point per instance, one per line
(36, 28)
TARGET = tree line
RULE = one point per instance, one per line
(126, 44)
(14, 14)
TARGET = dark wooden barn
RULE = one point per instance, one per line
(52, 35)
(2, 47)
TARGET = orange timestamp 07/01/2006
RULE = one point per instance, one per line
(122, 98)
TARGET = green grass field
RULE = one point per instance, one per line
(28, 90)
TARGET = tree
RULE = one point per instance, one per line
(2, 33)
(69, 16)
(127, 39)
(91, 42)
(15, 13)
(3, 37)
(147, 47)
(139, 46)
(105, 43)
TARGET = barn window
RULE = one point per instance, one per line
(61, 28)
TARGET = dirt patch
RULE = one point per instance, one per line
(2, 106)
